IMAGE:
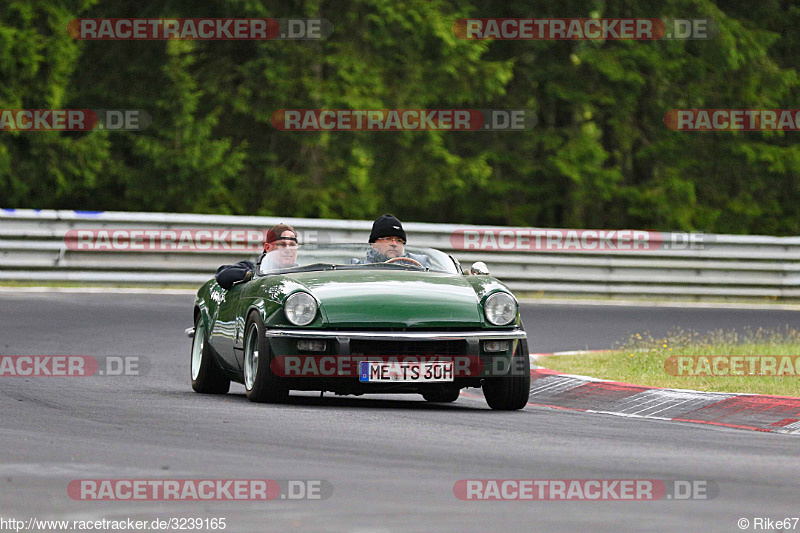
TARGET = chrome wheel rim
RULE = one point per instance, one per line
(251, 357)
(197, 351)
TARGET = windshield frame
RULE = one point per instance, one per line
(440, 262)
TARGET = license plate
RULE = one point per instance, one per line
(406, 372)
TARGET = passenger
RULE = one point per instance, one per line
(280, 251)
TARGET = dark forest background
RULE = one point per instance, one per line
(599, 157)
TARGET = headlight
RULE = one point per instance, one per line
(500, 309)
(300, 308)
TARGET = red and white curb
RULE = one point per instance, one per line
(755, 412)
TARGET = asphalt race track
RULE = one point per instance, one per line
(392, 461)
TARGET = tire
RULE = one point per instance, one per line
(260, 383)
(448, 395)
(511, 392)
(207, 376)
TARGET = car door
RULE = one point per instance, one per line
(228, 328)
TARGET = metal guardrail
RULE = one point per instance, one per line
(33, 248)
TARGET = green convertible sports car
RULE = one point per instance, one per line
(325, 318)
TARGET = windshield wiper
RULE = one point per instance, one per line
(305, 268)
(398, 265)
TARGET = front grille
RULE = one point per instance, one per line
(421, 348)
(384, 329)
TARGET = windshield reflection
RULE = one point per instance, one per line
(318, 257)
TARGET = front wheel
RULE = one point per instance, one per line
(207, 376)
(511, 392)
(260, 382)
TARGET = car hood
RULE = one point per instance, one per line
(393, 298)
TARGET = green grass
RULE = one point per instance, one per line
(673, 298)
(641, 360)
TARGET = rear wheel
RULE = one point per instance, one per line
(511, 392)
(260, 382)
(207, 376)
(447, 395)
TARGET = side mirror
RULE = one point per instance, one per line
(247, 277)
(479, 268)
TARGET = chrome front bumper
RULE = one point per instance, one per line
(399, 335)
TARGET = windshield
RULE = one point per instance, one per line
(310, 257)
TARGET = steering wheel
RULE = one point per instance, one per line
(405, 259)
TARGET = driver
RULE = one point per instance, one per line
(388, 239)
(280, 251)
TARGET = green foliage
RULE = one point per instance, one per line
(599, 156)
